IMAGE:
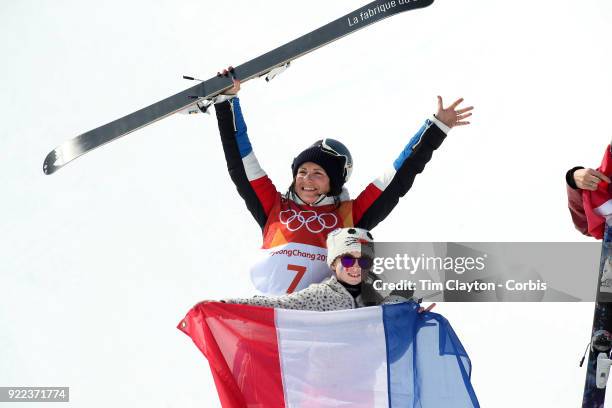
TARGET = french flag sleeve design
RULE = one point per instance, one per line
(252, 183)
(382, 195)
(598, 203)
(384, 356)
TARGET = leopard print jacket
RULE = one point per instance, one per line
(321, 297)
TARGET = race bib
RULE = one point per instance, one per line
(289, 268)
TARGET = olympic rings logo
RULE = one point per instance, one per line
(313, 222)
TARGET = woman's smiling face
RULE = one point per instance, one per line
(310, 182)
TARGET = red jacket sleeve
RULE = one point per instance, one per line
(576, 208)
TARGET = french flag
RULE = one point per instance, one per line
(382, 356)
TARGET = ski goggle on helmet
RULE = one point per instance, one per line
(335, 148)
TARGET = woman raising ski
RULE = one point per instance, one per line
(295, 224)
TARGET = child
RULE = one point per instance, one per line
(260, 356)
(350, 255)
(295, 224)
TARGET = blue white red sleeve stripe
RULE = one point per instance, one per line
(242, 138)
(254, 186)
(386, 356)
(252, 168)
(383, 181)
(412, 144)
(379, 198)
(251, 165)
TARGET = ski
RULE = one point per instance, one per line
(268, 63)
(598, 366)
